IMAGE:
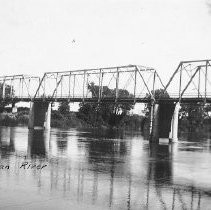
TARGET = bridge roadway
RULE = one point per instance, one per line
(110, 100)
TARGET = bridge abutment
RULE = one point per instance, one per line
(40, 115)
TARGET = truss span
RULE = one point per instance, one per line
(127, 83)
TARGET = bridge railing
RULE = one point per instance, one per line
(190, 95)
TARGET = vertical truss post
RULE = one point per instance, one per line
(205, 96)
(134, 91)
(87, 84)
(11, 87)
(180, 82)
(74, 86)
(38, 92)
(61, 85)
(22, 87)
(56, 84)
(101, 85)
(29, 87)
(199, 82)
(3, 88)
(153, 85)
(84, 83)
(99, 92)
(69, 85)
(117, 84)
(44, 88)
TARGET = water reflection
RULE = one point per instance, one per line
(160, 170)
(93, 171)
(62, 141)
(103, 133)
(38, 143)
(6, 142)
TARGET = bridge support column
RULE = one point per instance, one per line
(154, 137)
(173, 136)
(31, 116)
(14, 108)
(3, 90)
(40, 115)
(151, 117)
(47, 123)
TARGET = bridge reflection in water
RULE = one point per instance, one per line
(102, 170)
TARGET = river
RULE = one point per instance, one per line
(98, 169)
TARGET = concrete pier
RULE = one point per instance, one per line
(154, 137)
(151, 117)
(31, 116)
(14, 108)
(164, 122)
(173, 137)
(47, 123)
(165, 118)
(40, 115)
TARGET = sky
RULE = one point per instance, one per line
(38, 36)
(53, 35)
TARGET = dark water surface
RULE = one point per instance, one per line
(90, 169)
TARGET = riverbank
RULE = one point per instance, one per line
(57, 120)
(10, 119)
(69, 120)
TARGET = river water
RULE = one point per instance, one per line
(95, 169)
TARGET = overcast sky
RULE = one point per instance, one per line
(53, 35)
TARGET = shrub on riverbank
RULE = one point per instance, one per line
(68, 120)
(9, 119)
(134, 122)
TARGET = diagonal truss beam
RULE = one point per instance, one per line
(172, 77)
(145, 83)
(57, 85)
(189, 82)
(37, 91)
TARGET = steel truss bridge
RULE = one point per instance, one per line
(189, 83)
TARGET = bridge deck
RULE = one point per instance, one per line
(107, 100)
